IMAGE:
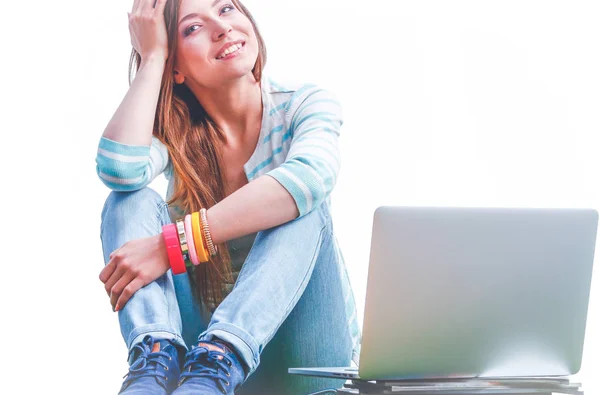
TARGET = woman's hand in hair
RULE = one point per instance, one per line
(136, 264)
(148, 29)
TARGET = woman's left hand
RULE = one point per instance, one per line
(136, 264)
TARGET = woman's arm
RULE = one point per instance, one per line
(298, 185)
(133, 121)
(129, 157)
(258, 205)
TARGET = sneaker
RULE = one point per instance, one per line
(154, 370)
(210, 368)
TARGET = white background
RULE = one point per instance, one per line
(460, 103)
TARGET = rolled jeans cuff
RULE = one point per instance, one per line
(245, 345)
(157, 331)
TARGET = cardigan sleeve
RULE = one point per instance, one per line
(123, 167)
(311, 167)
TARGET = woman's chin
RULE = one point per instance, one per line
(225, 75)
(236, 73)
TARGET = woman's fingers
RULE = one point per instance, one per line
(145, 6)
(160, 6)
(110, 267)
(148, 6)
(136, 5)
(147, 29)
(108, 270)
(128, 292)
(137, 263)
(114, 277)
(120, 285)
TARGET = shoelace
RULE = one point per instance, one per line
(201, 362)
(147, 361)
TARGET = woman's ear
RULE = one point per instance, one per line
(178, 77)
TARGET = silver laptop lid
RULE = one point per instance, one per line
(464, 292)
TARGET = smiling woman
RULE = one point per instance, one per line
(237, 276)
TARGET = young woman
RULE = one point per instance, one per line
(237, 276)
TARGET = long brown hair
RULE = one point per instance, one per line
(194, 143)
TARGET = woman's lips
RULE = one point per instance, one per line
(235, 52)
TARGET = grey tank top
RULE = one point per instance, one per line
(238, 250)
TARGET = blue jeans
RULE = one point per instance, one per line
(286, 309)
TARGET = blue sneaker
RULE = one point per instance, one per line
(154, 370)
(211, 368)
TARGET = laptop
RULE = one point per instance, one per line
(458, 292)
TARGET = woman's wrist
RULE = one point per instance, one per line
(153, 60)
(188, 241)
(162, 251)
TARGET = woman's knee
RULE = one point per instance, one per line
(321, 214)
(141, 205)
(312, 222)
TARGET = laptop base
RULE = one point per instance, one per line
(348, 373)
(445, 386)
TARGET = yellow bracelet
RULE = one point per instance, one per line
(207, 238)
(198, 239)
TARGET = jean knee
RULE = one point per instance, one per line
(317, 218)
(304, 230)
(137, 206)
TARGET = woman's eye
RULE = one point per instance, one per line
(227, 8)
(189, 30)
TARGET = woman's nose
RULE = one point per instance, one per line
(222, 29)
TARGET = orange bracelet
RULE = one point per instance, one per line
(198, 238)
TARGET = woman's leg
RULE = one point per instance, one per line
(315, 334)
(289, 290)
(157, 308)
(320, 331)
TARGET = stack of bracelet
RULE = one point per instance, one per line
(189, 242)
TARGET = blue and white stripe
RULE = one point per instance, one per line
(305, 128)
(123, 167)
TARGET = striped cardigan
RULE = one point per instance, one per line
(298, 146)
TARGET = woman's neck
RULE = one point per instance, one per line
(236, 107)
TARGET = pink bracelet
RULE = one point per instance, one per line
(189, 235)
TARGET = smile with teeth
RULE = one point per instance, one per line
(230, 50)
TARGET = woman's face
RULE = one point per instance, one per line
(215, 42)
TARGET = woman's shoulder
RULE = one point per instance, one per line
(290, 94)
(274, 84)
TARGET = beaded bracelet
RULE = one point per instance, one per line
(206, 232)
(173, 248)
(198, 238)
